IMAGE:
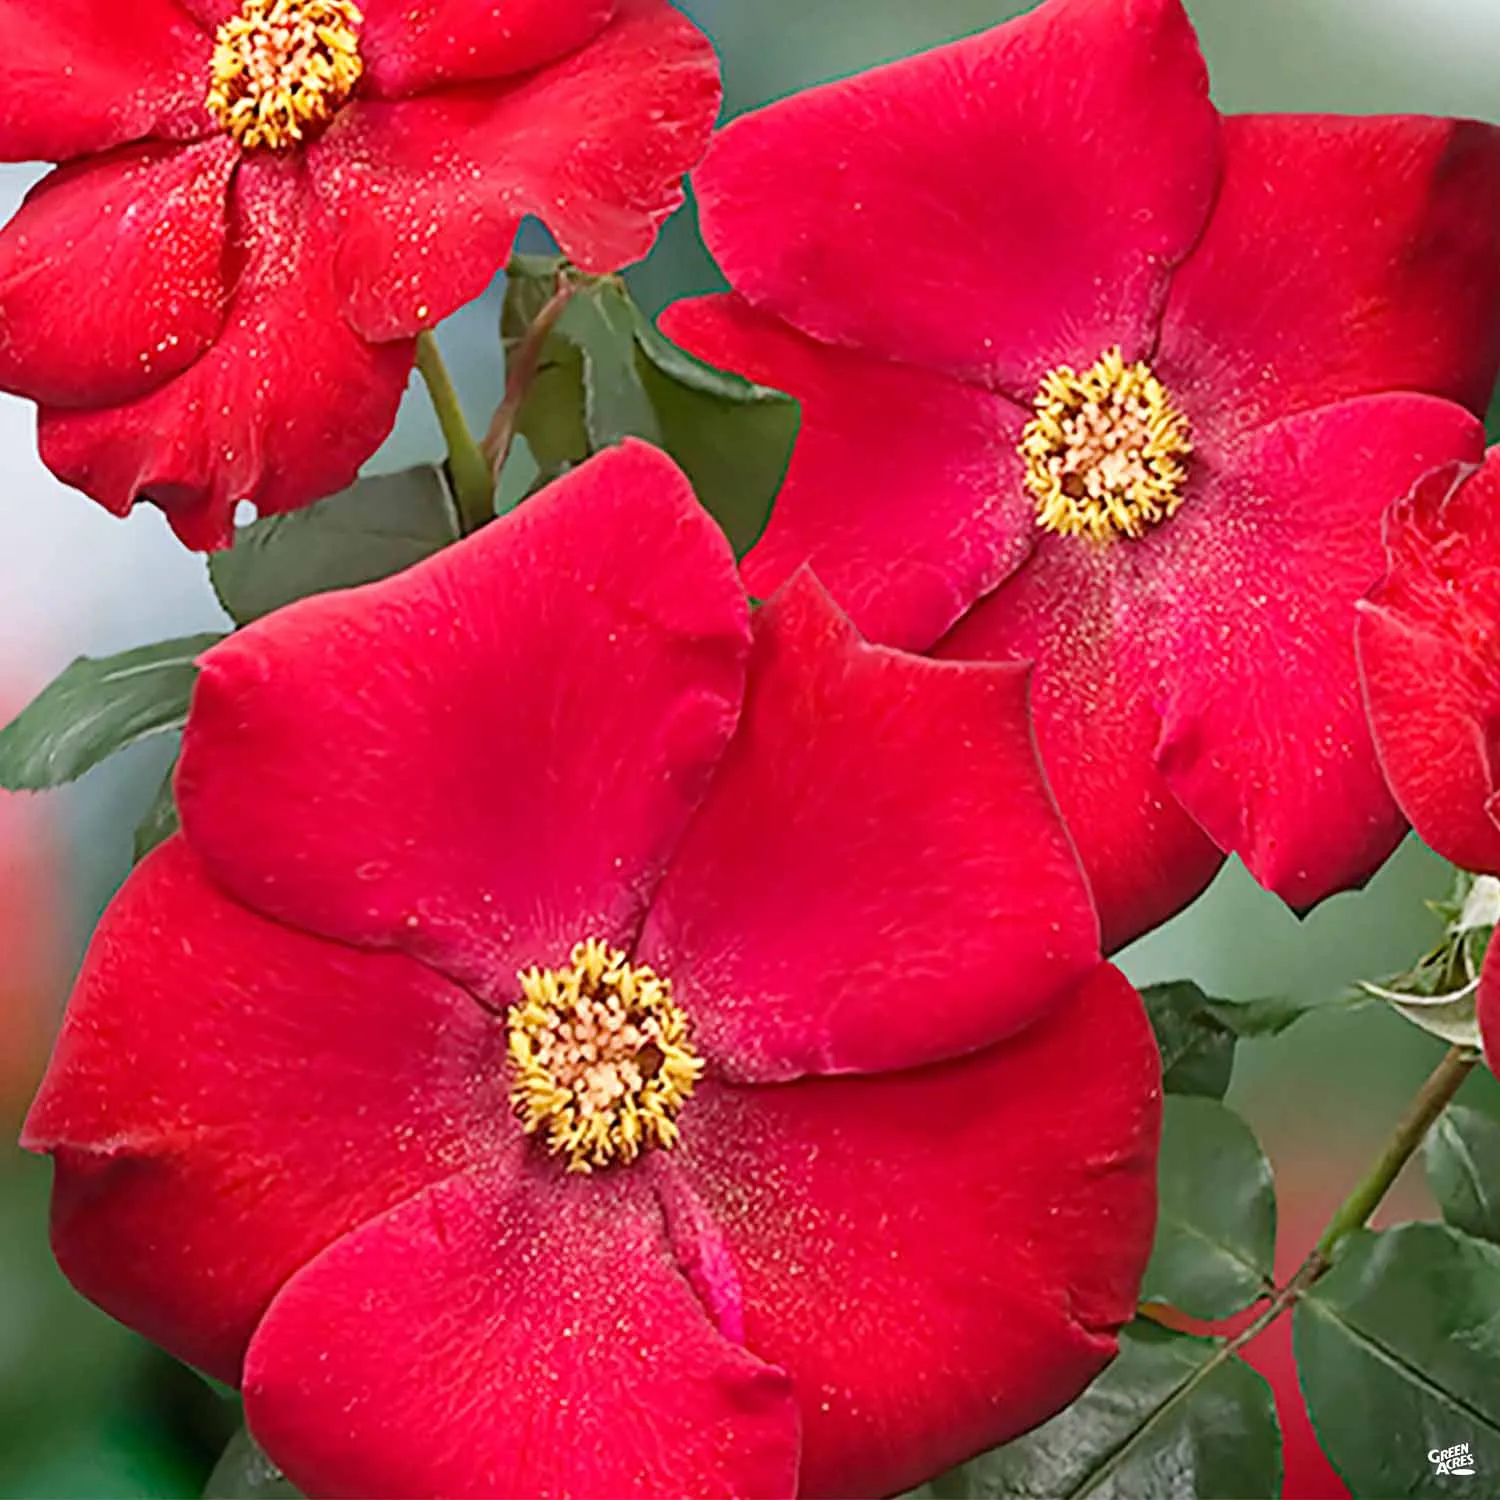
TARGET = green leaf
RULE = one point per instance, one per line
(1216, 1220)
(601, 322)
(377, 527)
(734, 443)
(1172, 1418)
(607, 374)
(160, 822)
(554, 417)
(1453, 1018)
(1398, 1353)
(530, 281)
(243, 1472)
(96, 707)
(1250, 1019)
(1463, 1170)
(1197, 1049)
(1196, 1034)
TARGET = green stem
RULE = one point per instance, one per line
(472, 487)
(1432, 1099)
(1354, 1213)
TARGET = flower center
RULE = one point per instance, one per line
(1106, 453)
(601, 1056)
(282, 69)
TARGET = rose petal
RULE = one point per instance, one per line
(989, 208)
(1429, 651)
(429, 192)
(78, 76)
(536, 1341)
(1096, 728)
(904, 492)
(1373, 250)
(410, 46)
(229, 1096)
(1487, 1005)
(210, 14)
(879, 878)
(283, 408)
(112, 274)
(1251, 617)
(491, 756)
(939, 1258)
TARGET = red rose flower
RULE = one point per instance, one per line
(1096, 377)
(1429, 648)
(261, 204)
(538, 858)
(1429, 652)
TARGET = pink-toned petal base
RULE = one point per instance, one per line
(529, 1339)
(988, 208)
(491, 756)
(879, 877)
(1096, 727)
(1429, 652)
(112, 274)
(1249, 619)
(229, 1096)
(210, 14)
(904, 492)
(281, 411)
(939, 1258)
(429, 192)
(1371, 248)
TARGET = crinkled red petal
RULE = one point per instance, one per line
(429, 192)
(281, 410)
(1429, 652)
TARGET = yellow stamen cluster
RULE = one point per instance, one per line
(1106, 453)
(601, 1056)
(283, 68)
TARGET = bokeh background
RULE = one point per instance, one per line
(86, 1409)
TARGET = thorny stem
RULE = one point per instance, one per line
(473, 488)
(521, 369)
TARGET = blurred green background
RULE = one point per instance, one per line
(86, 1409)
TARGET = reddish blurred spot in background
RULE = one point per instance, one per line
(32, 941)
(1311, 1183)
